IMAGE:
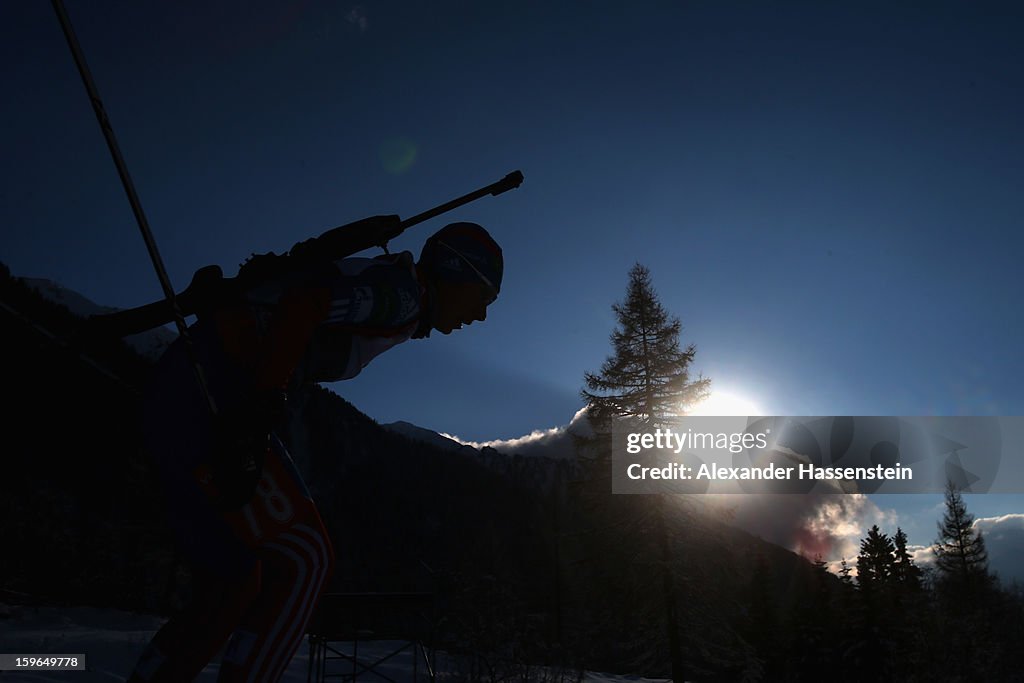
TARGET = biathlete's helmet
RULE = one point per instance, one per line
(463, 252)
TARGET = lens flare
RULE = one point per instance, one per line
(397, 155)
(726, 404)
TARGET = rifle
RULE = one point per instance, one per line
(209, 288)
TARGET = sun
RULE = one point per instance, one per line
(726, 403)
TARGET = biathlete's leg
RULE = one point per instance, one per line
(297, 559)
(296, 567)
(225, 571)
(190, 639)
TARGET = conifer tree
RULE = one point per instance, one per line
(648, 375)
(849, 604)
(647, 378)
(968, 599)
(875, 561)
(815, 622)
(844, 573)
(960, 553)
(876, 589)
(905, 572)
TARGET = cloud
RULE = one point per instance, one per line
(1001, 526)
(1004, 540)
(555, 442)
(922, 555)
(838, 524)
(826, 524)
(822, 524)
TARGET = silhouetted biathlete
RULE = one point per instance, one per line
(239, 509)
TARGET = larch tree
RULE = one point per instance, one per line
(960, 553)
(647, 378)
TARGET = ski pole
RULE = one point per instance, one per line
(133, 198)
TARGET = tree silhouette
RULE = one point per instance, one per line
(845, 572)
(647, 378)
(875, 563)
(960, 548)
(960, 554)
(973, 612)
(905, 572)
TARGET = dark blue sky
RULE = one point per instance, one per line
(827, 196)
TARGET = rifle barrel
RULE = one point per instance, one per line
(509, 182)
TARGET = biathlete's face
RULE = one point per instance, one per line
(460, 304)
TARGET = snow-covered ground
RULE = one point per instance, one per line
(112, 640)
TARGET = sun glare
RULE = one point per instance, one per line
(726, 403)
